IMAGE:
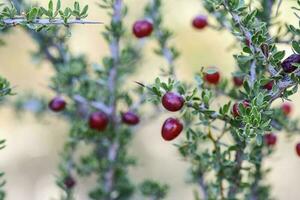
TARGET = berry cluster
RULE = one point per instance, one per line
(97, 120)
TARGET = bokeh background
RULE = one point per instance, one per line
(32, 154)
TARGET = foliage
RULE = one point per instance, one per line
(38, 18)
(226, 151)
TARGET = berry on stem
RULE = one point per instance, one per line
(286, 108)
(142, 28)
(287, 64)
(298, 149)
(235, 108)
(130, 118)
(212, 76)
(247, 42)
(57, 104)
(69, 182)
(270, 139)
(200, 22)
(269, 85)
(171, 128)
(238, 81)
(172, 101)
(98, 121)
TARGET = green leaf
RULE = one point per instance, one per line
(296, 46)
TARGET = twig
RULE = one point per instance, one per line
(203, 187)
(19, 21)
(112, 82)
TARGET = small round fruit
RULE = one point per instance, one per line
(130, 118)
(142, 28)
(200, 22)
(69, 182)
(235, 108)
(98, 121)
(287, 64)
(269, 85)
(270, 139)
(298, 149)
(57, 104)
(212, 76)
(286, 108)
(247, 42)
(172, 101)
(171, 128)
(238, 81)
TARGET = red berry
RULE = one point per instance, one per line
(172, 101)
(200, 22)
(235, 108)
(247, 42)
(130, 118)
(270, 139)
(98, 121)
(269, 85)
(286, 108)
(142, 28)
(238, 81)
(69, 182)
(287, 64)
(212, 76)
(57, 104)
(298, 149)
(171, 129)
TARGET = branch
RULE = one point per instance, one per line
(112, 83)
(203, 187)
(20, 21)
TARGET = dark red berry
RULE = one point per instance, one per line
(235, 108)
(270, 139)
(69, 182)
(212, 76)
(298, 149)
(247, 42)
(287, 64)
(286, 108)
(130, 118)
(238, 81)
(200, 22)
(171, 129)
(57, 104)
(269, 85)
(98, 121)
(142, 28)
(172, 101)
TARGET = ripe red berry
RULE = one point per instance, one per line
(270, 139)
(298, 149)
(57, 104)
(171, 128)
(212, 76)
(247, 42)
(98, 121)
(287, 64)
(200, 22)
(235, 108)
(269, 85)
(130, 118)
(238, 81)
(172, 101)
(286, 108)
(69, 182)
(142, 28)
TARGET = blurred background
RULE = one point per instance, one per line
(32, 154)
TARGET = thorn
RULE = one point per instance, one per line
(139, 83)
